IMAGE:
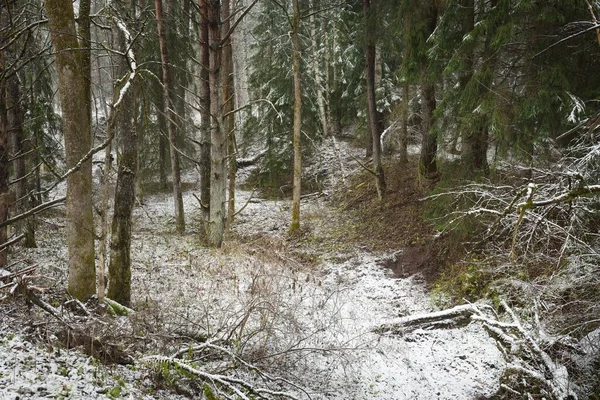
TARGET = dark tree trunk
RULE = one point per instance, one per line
(170, 115)
(427, 161)
(119, 269)
(21, 153)
(204, 92)
(4, 170)
(373, 118)
(403, 142)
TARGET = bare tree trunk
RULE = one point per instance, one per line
(4, 170)
(228, 103)
(163, 143)
(22, 152)
(119, 269)
(403, 142)
(317, 71)
(297, 117)
(427, 161)
(85, 43)
(372, 117)
(170, 115)
(333, 91)
(218, 134)
(204, 94)
(104, 206)
(76, 127)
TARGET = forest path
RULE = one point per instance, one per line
(313, 298)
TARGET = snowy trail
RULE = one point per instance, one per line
(318, 314)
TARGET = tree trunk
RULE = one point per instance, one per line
(76, 128)
(170, 115)
(4, 170)
(204, 94)
(218, 134)
(22, 151)
(474, 136)
(427, 161)
(295, 225)
(228, 103)
(85, 43)
(119, 269)
(163, 142)
(403, 142)
(317, 71)
(372, 117)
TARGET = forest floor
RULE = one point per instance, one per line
(303, 307)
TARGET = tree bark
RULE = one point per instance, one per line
(372, 117)
(427, 161)
(204, 94)
(119, 268)
(228, 100)
(76, 128)
(4, 170)
(218, 134)
(170, 115)
(85, 43)
(403, 142)
(296, 54)
(163, 142)
(316, 64)
(22, 152)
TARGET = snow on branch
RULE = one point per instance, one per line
(526, 359)
(561, 198)
(222, 384)
(459, 313)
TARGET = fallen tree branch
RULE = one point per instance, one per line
(11, 242)
(561, 198)
(221, 384)
(461, 313)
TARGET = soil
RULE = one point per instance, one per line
(397, 223)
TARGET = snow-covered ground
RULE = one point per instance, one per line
(284, 305)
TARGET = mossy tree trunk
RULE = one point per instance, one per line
(119, 269)
(72, 84)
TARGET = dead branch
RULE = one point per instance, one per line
(33, 211)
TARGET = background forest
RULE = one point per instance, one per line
(472, 126)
